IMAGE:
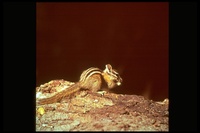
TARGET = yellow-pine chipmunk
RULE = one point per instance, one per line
(93, 79)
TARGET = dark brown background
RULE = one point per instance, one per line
(132, 37)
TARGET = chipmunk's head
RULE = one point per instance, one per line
(111, 77)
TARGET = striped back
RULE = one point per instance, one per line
(89, 72)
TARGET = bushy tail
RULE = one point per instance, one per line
(74, 88)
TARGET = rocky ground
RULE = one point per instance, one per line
(87, 111)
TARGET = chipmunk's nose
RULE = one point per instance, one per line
(119, 83)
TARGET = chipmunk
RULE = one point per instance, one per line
(93, 79)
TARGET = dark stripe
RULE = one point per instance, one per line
(87, 72)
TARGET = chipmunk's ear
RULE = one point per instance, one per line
(108, 68)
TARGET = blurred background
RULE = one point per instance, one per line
(133, 37)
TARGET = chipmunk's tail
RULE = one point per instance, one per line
(74, 88)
